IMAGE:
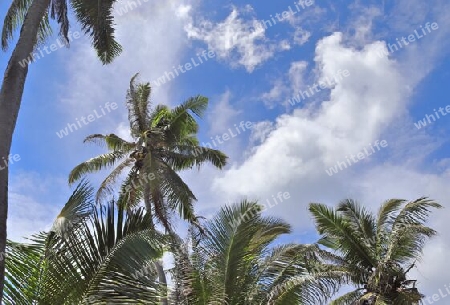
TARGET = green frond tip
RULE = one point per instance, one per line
(97, 21)
(78, 207)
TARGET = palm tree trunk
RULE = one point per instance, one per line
(10, 99)
(162, 281)
(158, 264)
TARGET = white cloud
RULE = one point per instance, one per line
(260, 132)
(309, 140)
(297, 73)
(301, 36)
(362, 25)
(28, 212)
(222, 115)
(240, 41)
(276, 93)
(286, 85)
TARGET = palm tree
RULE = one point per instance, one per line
(33, 18)
(164, 142)
(374, 253)
(91, 256)
(237, 263)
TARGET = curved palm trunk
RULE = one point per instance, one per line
(10, 99)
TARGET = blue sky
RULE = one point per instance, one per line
(253, 74)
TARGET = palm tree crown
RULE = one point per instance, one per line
(374, 252)
(236, 263)
(164, 142)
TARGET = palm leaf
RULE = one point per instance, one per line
(96, 18)
(105, 187)
(22, 274)
(112, 142)
(188, 156)
(95, 164)
(349, 298)
(329, 223)
(78, 207)
(138, 103)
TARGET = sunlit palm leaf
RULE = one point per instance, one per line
(78, 207)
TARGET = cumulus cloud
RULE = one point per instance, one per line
(308, 140)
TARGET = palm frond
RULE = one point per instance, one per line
(415, 212)
(95, 164)
(388, 211)
(329, 223)
(233, 246)
(181, 122)
(112, 142)
(177, 193)
(164, 191)
(407, 243)
(101, 261)
(58, 11)
(360, 219)
(105, 187)
(138, 96)
(185, 157)
(22, 274)
(96, 18)
(78, 207)
(131, 190)
(349, 298)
